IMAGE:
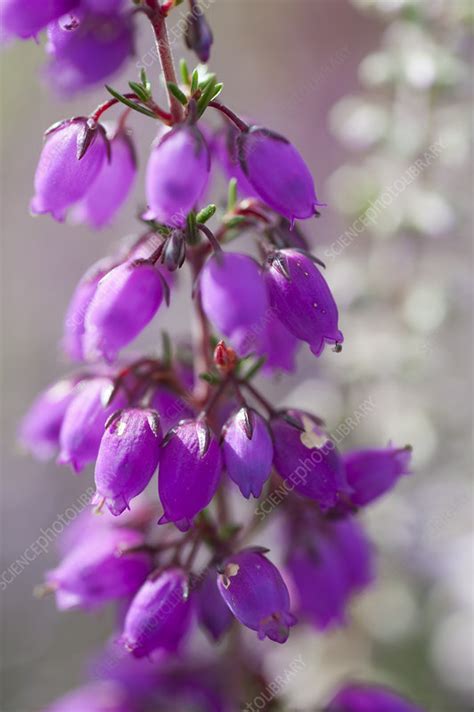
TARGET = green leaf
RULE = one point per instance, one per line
(184, 71)
(206, 81)
(130, 104)
(217, 90)
(140, 91)
(194, 81)
(191, 228)
(206, 213)
(144, 80)
(210, 378)
(253, 370)
(167, 350)
(232, 194)
(235, 221)
(207, 94)
(176, 91)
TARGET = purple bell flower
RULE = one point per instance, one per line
(371, 473)
(40, 428)
(125, 301)
(327, 563)
(159, 615)
(171, 408)
(359, 697)
(255, 592)
(301, 299)
(225, 150)
(96, 572)
(234, 299)
(177, 175)
(213, 614)
(88, 49)
(65, 173)
(112, 186)
(248, 451)
(84, 422)
(128, 456)
(190, 468)
(25, 20)
(74, 327)
(278, 173)
(278, 346)
(198, 34)
(307, 459)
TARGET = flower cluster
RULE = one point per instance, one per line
(194, 416)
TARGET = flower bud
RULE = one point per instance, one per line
(125, 301)
(88, 50)
(112, 186)
(83, 425)
(302, 300)
(65, 172)
(128, 457)
(358, 697)
(190, 467)
(177, 174)
(277, 172)
(159, 615)
(95, 571)
(198, 35)
(371, 473)
(40, 428)
(234, 299)
(307, 459)
(213, 614)
(248, 451)
(19, 20)
(174, 252)
(256, 594)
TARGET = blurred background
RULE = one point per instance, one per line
(363, 88)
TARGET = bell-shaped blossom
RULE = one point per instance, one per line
(278, 173)
(159, 615)
(278, 345)
(74, 323)
(65, 172)
(255, 592)
(198, 35)
(307, 459)
(225, 150)
(190, 468)
(128, 456)
(234, 299)
(213, 614)
(327, 563)
(98, 570)
(301, 299)
(84, 422)
(171, 407)
(371, 473)
(40, 428)
(88, 48)
(112, 186)
(125, 301)
(25, 20)
(103, 696)
(361, 697)
(248, 451)
(177, 175)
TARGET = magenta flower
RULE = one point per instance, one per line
(74, 323)
(128, 456)
(96, 572)
(307, 459)
(225, 149)
(256, 594)
(190, 463)
(371, 473)
(248, 451)
(301, 299)
(84, 422)
(159, 615)
(277, 172)
(213, 614)
(65, 173)
(234, 299)
(40, 428)
(359, 697)
(125, 301)
(177, 174)
(88, 49)
(112, 186)
(19, 21)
